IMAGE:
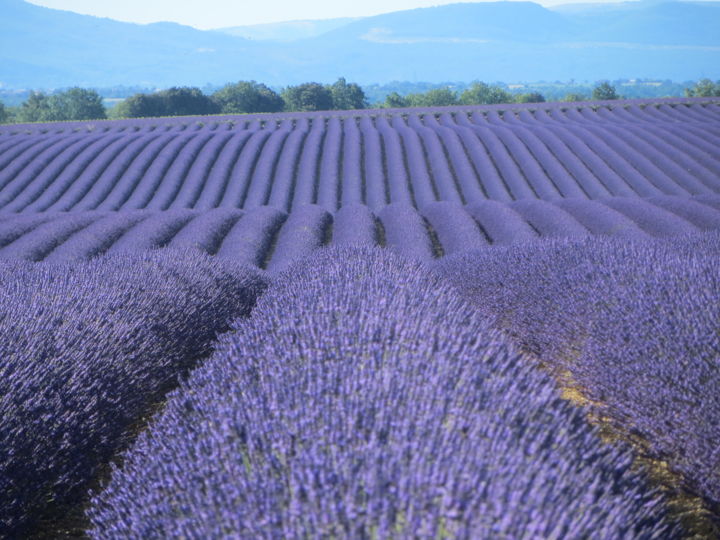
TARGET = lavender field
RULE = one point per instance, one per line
(462, 322)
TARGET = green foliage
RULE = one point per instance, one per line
(481, 93)
(572, 96)
(347, 96)
(72, 104)
(704, 88)
(77, 104)
(36, 108)
(4, 114)
(395, 101)
(437, 97)
(604, 91)
(247, 97)
(531, 97)
(307, 97)
(176, 101)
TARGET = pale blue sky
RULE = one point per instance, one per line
(222, 13)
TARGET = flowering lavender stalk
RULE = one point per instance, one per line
(353, 191)
(42, 193)
(221, 172)
(258, 192)
(549, 220)
(382, 407)
(355, 224)
(158, 180)
(192, 181)
(284, 179)
(634, 324)
(82, 182)
(88, 348)
(465, 174)
(328, 189)
(116, 188)
(154, 232)
(306, 229)
(207, 230)
(97, 237)
(406, 231)
(375, 191)
(305, 184)
(37, 243)
(398, 184)
(456, 230)
(250, 240)
(33, 165)
(239, 182)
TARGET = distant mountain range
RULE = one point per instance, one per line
(493, 41)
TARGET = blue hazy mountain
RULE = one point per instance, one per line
(508, 41)
(287, 31)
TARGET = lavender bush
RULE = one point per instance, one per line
(87, 350)
(632, 323)
(383, 406)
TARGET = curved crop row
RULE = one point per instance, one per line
(410, 157)
(670, 110)
(270, 238)
(629, 325)
(382, 407)
(89, 349)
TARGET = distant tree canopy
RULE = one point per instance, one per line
(437, 97)
(575, 97)
(77, 104)
(176, 101)
(310, 96)
(604, 91)
(704, 88)
(36, 108)
(395, 101)
(72, 104)
(347, 96)
(481, 93)
(4, 113)
(247, 97)
(531, 97)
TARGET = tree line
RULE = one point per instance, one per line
(253, 97)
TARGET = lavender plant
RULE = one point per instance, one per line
(383, 406)
(87, 350)
(631, 324)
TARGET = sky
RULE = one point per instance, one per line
(206, 14)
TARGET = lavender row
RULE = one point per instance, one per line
(631, 325)
(410, 159)
(664, 109)
(270, 238)
(382, 407)
(88, 350)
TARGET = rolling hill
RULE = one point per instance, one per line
(509, 41)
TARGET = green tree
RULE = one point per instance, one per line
(77, 104)
(36, 108)
(395, 101)
(183, 101)
(186, 101)
(574, 97)
(532, 97)
(704, 88)
(604, 91)
(4, 114)
(247, 97)
(481, 93)
(347, 96)
(438, 97)
(310, 96)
